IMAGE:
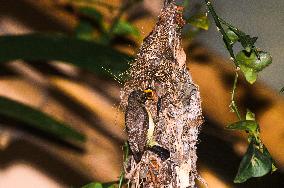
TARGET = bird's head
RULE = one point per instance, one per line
(141, 96)
(137, 95)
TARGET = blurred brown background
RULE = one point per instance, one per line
(89, 103)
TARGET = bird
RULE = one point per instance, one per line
(140, 126)
(137, 123)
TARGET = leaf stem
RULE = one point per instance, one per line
(227, 24)
(233, 103)
(221, 29)
(229, 47)
(125, 158)
(121, 179)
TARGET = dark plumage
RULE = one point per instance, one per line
(137, 123)
(163, 153)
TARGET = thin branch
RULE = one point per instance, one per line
(221, 29)
(233, 104)
(125, 158)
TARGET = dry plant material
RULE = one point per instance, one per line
(163, 109)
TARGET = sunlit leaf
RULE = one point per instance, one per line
(255, 60)
(246, 58)
(245, 125)
(254, 164)
(125, 28)
(264, 59)
(273, 168)
(200, 21)
(85, 54)
(249, 73)
(248, 65)
(250, 115)
(37, 119)
(232, 36)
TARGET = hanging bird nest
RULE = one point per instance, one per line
(162, 129)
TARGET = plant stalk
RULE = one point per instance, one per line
(233, 103)
(221, 29)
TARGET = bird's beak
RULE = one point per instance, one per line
(149, 94)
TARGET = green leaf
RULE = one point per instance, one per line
(246, 58)
(249, 73)
(266, 152)
(273, 168)
(254, 164)
(232, 36)
(99, 185)
(125, 28)
(264, 59)
(200, 21)
(246, 125)
(92, 13)
(246, 40)
(249, 64)
(38, 120)
(85, 54)
(84, 30)
(93, 185)
(250, 115)
(257, 60)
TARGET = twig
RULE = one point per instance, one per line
(221, 29)
(233, 103)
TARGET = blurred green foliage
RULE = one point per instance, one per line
(99, 185)
(200, 21)
(88, 55)
(33, 117)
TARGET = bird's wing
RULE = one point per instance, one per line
(137, 124)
